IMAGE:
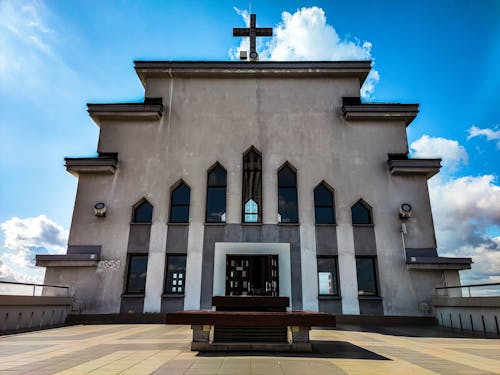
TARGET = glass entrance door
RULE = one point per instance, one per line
(252, 275)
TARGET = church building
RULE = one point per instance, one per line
(252, 178)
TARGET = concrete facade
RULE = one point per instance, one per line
(290, 113)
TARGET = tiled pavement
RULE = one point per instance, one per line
(159, 349)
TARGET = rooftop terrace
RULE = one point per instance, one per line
(161, 349)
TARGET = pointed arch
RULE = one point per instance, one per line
(142, 211)
(216, 194)
(361, 212)
(180, 198)
(324, 204)
(288, 211)
(252, 186)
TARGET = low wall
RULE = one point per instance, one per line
(475, 314)
(32, 312)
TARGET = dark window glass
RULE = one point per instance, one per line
(179, 206)
(143, 213)
(323, 205)
(327, 276)
(367, 280)
(252, 187)
(216, 195)
(136, 277)
(361, 214)
(176, 274)
(287, 196)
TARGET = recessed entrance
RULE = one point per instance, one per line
(252, 275)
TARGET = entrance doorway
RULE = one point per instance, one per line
(252, 275)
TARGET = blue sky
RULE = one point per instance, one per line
(55, 56)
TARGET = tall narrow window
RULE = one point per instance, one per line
(143, 212)
(252, 187)
(136, 275)
(179, 204)
(287, 195)
(176, 274)
(327, 276)
(324, 212)
(361, 213)
(366, 274)
(216, 195)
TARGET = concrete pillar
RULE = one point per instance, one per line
(309, 267)
(347, 269)
(193, 281)
(156, 267)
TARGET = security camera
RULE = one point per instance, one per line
(405, 211)
(100, 209)
(254, 56)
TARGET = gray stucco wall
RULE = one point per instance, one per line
(216, 119)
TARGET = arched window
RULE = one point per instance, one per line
(361, 213)
(324, 212)
(216, 195)
(143, 212)
(252, 187)
(179, 204)
(287, 195)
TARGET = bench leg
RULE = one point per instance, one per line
(201, 333)
(300, 334)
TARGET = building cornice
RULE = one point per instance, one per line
(354, 110)
(260, 69)
(104, 164)
(426, 167)
(125, 111)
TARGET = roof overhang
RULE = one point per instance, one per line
(67, 260)
(125, 111)
(426, 167)
(260, 69)
(380, 111)
(99, 165)
(438, 263)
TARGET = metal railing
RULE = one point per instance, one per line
(13, 288)
(471, 290)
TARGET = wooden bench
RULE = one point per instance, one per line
(251, 330)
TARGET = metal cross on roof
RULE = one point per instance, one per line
(253, 31)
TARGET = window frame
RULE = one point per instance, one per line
(136, 206)
(210, 170)
(165, 284)
(172, 205)
(368, 208)
(288, 187)
(127, 280)
(332, 207)
(375, 276)
(260, 192)
(336, 269)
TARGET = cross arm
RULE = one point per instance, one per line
(241, 31)
(264, 31)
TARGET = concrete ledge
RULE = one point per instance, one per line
(260, 69)
(426, 167)
(6, 300)
(152, 318)
(251, 347)
(67, 260)
(99, 165)
(466, 301)
(380, 112)
(386, 320)
(125, 111)
(438, 263)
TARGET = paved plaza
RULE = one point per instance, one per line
(160, 349)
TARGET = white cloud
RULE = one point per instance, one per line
(34, 232)
(24, 238)
(8, 274)
(306, 35)
(452, 153)
(489, 133)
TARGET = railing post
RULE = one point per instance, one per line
(34, 286)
